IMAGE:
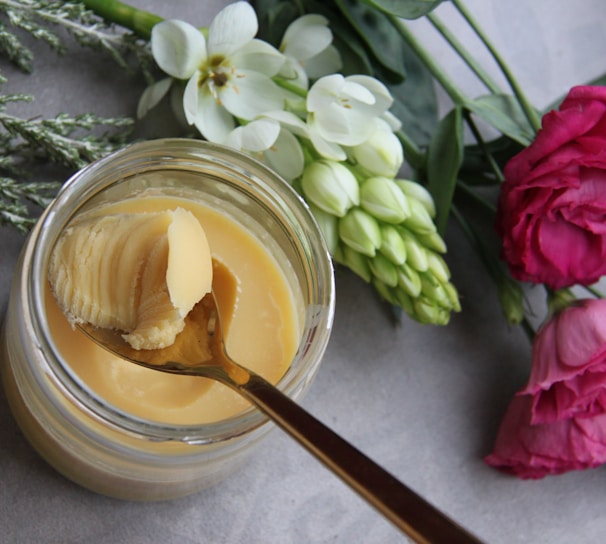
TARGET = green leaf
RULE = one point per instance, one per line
(407, 9)
(354, 55)
(504, 113)
(444, 159)
(375, 30)
(415, 100)
(274, 17)
(476, 169)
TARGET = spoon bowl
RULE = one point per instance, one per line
(199, 350)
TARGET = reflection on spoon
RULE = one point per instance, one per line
(199, 351)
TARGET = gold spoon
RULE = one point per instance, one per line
(199, 351)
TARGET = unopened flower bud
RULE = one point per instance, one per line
(453, 295)
(382, 198)
(384, 269)
(435, 291)
(511, 297)
(381, 154)
(438, 267)
(405, 301)
(384, 291)
(329, 225)
(416, 254)
(355, 261)
(426, 312)
(330, 186)
(432, 241)
(419, 219)
(409, 280)
(392, 245)
(360, 231)
(416, 191)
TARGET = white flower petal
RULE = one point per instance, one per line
(214, 122)
(328, 150)
(355, 91)
(393, 122)
(256, 136)
(233, 26)
(152, 96)
(289, 121)
(190, 98)
(251, 95)
(178, 47)
(326, 62)
(294, 73)
(324, 92)
(306, 37)
(259, 56)
(344, 127)
(383, 98)
(381, 154)
(285, 156)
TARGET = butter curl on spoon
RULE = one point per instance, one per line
(135, 272)
(140, 286)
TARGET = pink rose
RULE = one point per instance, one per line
(534, 451)
(558, 421)
(552, 206)
(568, 375)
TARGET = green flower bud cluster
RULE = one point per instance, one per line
(383, 230)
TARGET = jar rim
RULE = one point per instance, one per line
(96, 178)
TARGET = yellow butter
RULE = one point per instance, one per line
(137, 272)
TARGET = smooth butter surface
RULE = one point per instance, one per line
(263, 329)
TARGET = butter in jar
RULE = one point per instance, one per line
(133, 433)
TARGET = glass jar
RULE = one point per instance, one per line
(86, 438)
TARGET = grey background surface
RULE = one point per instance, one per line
(425, 402)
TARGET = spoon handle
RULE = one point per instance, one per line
(408, 511)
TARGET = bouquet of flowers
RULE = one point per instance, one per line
(339, 98)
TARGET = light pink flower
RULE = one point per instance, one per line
(534, 451)
(558, 421)
(568, 376)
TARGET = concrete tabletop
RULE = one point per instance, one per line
(425, 402)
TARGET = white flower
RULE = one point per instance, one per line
(277, 147)
(342, 110)
(228, 75)
(381, 154)
(254, 137)
(286, 156)
(307, 45)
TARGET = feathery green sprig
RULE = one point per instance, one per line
(49, 20)
(69, 142)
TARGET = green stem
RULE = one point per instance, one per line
(414, 156)
(465, 55)
(139, 21)
(493, 267)
(456, 95)
(592, 290)
(491, 208)
(528, 329)
(494, 166)
(559, 299)
(287, 85)
(531, 114)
